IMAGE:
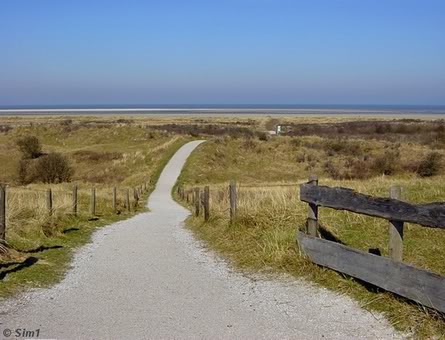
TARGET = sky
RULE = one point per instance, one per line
(380, 52)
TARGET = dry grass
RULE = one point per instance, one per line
(103, 155)
(263, 238)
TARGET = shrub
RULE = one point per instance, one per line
(263, 136)
(52, 168)
(386, 163)
(430, 165)
(342, 146)
(29, 147)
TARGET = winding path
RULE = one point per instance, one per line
(148, 278)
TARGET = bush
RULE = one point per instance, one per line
(430, 165)
(52, 168)
(386, 163)
(29, 147)
(263, 136)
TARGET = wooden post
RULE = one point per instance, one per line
(136, 197)
(114, 200)
(206, 203)
(49, 201)
(93, 202)
(2, 212)
(312, 213)
(232, 199)
(395, 230)
(75, 200)
(127, 200)
(197, 201)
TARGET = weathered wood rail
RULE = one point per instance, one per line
(391, 274)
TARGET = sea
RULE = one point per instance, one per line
(211, 109)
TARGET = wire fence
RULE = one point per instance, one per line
(24, 204)
(228, 199)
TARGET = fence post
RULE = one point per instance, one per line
(75, 200)
(114, 201)
(312, 213)
(49, 201)
(93, 202)
(197, 201)
(136, 197)
(127, 200)
(232, 199)
(395, 246)
(206, 203)
(2, 212)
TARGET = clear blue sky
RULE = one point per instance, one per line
(222, 52)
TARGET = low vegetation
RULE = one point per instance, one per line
(59, 155)
(269, 211)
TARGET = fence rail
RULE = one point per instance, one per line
(389, 273)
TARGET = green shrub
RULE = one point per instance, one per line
(53, 168)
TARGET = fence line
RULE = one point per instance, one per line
(49, 201)
(389, 273)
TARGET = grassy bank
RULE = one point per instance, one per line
(269, 213)
(40, 246)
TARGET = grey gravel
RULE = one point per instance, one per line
(148, 278)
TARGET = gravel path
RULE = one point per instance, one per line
(148, 278)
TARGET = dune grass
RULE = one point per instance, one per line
(122, 156)
(269, 214)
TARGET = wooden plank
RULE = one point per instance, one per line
(420, 285)
(429, 215)
(395, 245)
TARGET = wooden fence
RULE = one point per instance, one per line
(50, 202)
(200, 200)
(391, 274)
